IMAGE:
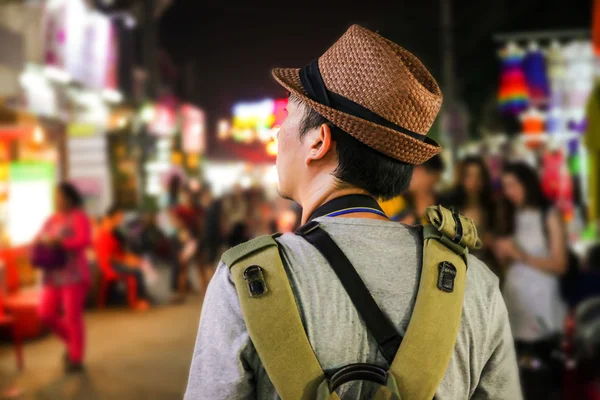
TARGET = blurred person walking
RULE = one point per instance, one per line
(409, 208)
(536, 252)
(68, 232)
(188, 211)
(288, 316)
(261, 218)
(215, 232)
(236, 212)
(473, 197)
(186, 246)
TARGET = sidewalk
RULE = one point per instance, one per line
(129, 356)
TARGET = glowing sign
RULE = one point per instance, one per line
(192, 129)
(257, 121)
(164, 120)
(30, 199)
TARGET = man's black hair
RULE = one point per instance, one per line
(359, 165)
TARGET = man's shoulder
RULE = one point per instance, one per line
(479, 277)
(482, 290)
(481, 281)
(234, 254)
(338, 229)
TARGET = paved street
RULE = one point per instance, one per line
(129, 356)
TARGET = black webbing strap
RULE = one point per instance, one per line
(377, 323)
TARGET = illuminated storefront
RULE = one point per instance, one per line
(253, 129)
(246, 147)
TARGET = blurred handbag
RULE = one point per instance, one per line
(48, 257)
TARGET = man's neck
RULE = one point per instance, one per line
(323, 195)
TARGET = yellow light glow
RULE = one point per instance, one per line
(122, 123)
(223, 129)
(147, 113)
(248, 136)
(272, 148)
(38, 135)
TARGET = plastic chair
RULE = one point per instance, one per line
(21, 304)
(108, 277)
(105, 284)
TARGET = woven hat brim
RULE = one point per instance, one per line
(385, 140)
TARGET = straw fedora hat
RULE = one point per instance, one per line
(374, 90)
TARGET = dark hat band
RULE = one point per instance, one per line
(313, 84)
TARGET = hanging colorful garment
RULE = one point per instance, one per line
(596, 27)
(533, 127)
(512, 94)
(579, 78)
(555, 121)
(557, 71)
(534, 67)
(551, 172)
(557, 183)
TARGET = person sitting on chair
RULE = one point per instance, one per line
(112, 256)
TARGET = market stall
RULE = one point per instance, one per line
(546, 79)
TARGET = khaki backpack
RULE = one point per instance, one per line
(275, 328)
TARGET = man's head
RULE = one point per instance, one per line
(427, 176)
(358, 120)
(311, 149)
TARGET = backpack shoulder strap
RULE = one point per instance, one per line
(428, 344)
(272, 318)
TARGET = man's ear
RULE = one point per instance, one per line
(321, 144)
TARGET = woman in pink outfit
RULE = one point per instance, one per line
(65, 288)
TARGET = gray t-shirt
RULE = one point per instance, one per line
(387, 255)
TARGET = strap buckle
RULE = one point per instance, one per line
(356, 372)
(446, 275)
(253, 275)
(458, 236)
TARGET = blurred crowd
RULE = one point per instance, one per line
(551, 293)
(187, 237)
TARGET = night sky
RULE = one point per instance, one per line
(226, 49)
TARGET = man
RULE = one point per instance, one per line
(409, 208)
(383, 102)
(112, 257)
